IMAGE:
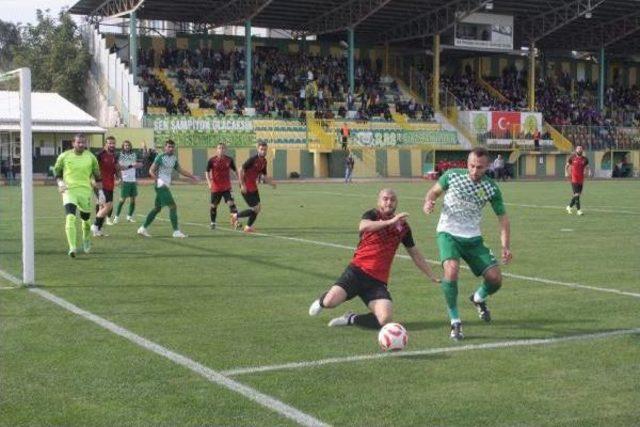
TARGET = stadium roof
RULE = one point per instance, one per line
(551, 23)
(50, 112)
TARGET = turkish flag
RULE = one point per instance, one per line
(505, 121)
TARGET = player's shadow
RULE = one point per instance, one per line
(259, 260)
(424, 325)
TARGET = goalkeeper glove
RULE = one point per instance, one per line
(101, 198)
(62, 187)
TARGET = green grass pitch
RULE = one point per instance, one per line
(230, 301)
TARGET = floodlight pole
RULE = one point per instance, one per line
(352, 80)
(26, 175)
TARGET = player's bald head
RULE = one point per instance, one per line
(387, 191)
(387, 201)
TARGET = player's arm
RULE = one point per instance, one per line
(375, 225)
(241, 171)
(421, 263)
(567, 166)
(58, 170)
(186, 173)
(587, 168)
(505, 238)
(207, 173)
(267, 179)
(153, 170)
(431, 197)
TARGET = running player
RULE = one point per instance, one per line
(466, 191)
(576, 167)
(127, 163)
(74, 169)
(381, 232)
(250, 172)
(109, 172)
(218, 173)
(163, 166)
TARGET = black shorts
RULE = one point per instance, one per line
(108, 195)
(252, 198)
(344, 139)
(356, 282)
(577, 188)
(217, 196)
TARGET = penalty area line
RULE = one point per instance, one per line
(209, 374)
(431, 351)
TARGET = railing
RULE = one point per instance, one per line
(319, 139)
(113, 78)
(601, 137)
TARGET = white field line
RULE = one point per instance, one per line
(205, 372)
(587, 208)
(506, 274)
(10, 278)
(430, 351)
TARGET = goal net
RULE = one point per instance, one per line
(16, 179)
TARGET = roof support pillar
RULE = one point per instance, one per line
(133, 46)
(248, 64)
(532, 77)
(352, 71)
(601, 80)
(436, 73)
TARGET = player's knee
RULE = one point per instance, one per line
(173, 208)
(256, 209)
(451, 269)
(334, 297)
(384, 317)
(70, 209)
(85, 216)
(494, 277)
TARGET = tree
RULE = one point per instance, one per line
(9, 39)
(54, 51)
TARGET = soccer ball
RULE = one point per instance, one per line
(392, 337)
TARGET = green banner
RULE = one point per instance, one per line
(391, 138)
(207, 131)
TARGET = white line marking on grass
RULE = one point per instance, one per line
(506, 274)
(587, 208)
(205, 372)
(430, 351)
(566, 230)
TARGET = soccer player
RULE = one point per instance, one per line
(163, 166)
(466, 191)
(381, 232)
(576, 167)
(250, 172)
(74, 169)
(218, 177)
(127, 164)
(109, 172)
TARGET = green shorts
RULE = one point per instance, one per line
(164, 197)
(473, 251)
(128, 189)
(79, 197)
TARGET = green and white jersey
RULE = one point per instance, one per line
(126, 161)
(463, 202)
(166, 164)
(76, 169)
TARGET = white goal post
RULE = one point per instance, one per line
(26, 172)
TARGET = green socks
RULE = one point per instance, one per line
(119, 207)
(173, 216)
(151, 217)
(485, 289)
(450, 290)
(70, 230)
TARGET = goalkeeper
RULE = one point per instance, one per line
(74, 169)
